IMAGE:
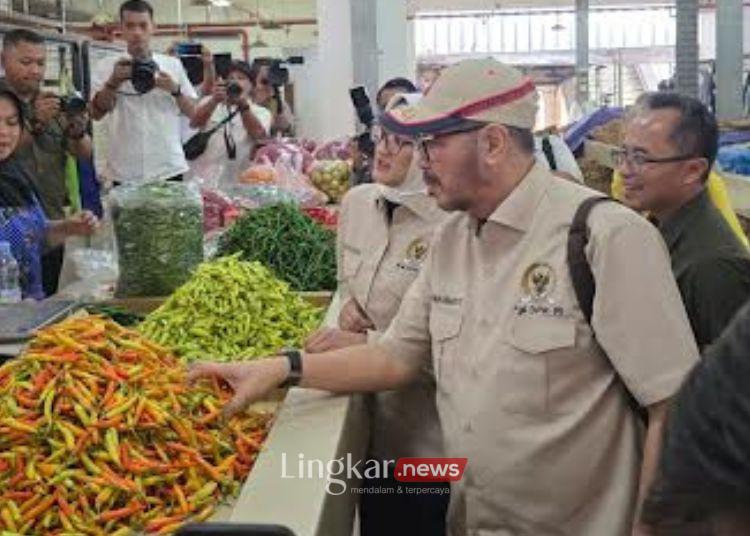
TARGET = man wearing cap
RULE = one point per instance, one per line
(533, 395)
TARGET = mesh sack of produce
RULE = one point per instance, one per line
(332, 178)
(159, 233)
(231, 310)
(281, 237)
(101, 435)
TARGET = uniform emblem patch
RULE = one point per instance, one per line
(538, 283)
(539, 280)
(417, 250)
(415, 255)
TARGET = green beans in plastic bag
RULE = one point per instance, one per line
(159, 232)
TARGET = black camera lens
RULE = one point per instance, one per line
(234, 89)
(144, 75)
(72, 104)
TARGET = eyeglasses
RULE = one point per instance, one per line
(393, 142)
(426, 143)
(637, 159)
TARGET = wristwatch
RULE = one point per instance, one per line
(176, 94)
(295, 368)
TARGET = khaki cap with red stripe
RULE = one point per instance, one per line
(466, 93)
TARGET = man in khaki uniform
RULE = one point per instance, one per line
(526, 389)
(384, 234)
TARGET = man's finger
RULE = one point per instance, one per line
(239, 402)
(205, 370)
(312, 341)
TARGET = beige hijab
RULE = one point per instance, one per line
(412, 192)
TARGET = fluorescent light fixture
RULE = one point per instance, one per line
(221, 3)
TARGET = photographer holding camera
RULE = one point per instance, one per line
(144, 96)
(268, 77)
(233, 125)
(54, 127)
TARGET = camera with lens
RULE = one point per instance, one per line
(73, 104)
(363, 108)
(234, 89)
(143, 77)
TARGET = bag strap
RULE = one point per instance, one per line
(221, 123)
(578, 265)
(582, 277)
(549, 153)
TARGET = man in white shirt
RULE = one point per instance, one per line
(238, 125)
(144, 110)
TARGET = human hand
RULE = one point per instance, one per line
(165, 82)
(77, 125)
(326, 339)
(46, 107)
(353, 318)
(84, 223)
(122, 71)
(219, 93)
(250, 381)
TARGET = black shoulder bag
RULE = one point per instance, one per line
(197, 143)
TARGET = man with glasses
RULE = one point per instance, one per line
(532, 394)
(669, 148)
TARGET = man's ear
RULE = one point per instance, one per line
(494, 143)
(697, 169)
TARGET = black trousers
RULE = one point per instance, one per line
(406, 512)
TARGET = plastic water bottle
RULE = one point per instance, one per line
(10, 289)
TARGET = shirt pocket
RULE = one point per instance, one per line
(445, 329)
(528, 372)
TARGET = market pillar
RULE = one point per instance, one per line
(582, 51)
(686, 49)
(393, 41)
(334, 70)
(729, 44)
(365, 43)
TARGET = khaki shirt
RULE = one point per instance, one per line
(524, 391)
(378, 262)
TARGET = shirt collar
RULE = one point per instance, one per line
(421, 206)
(672, 228)
(517, 210)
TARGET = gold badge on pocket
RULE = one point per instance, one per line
(538, 283)
(415, 255)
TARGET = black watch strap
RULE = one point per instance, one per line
(295, 367)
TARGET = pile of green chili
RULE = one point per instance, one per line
(283, 238)
(231, 310)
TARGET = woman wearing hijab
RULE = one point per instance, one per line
(384, 236)
(22, 220)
